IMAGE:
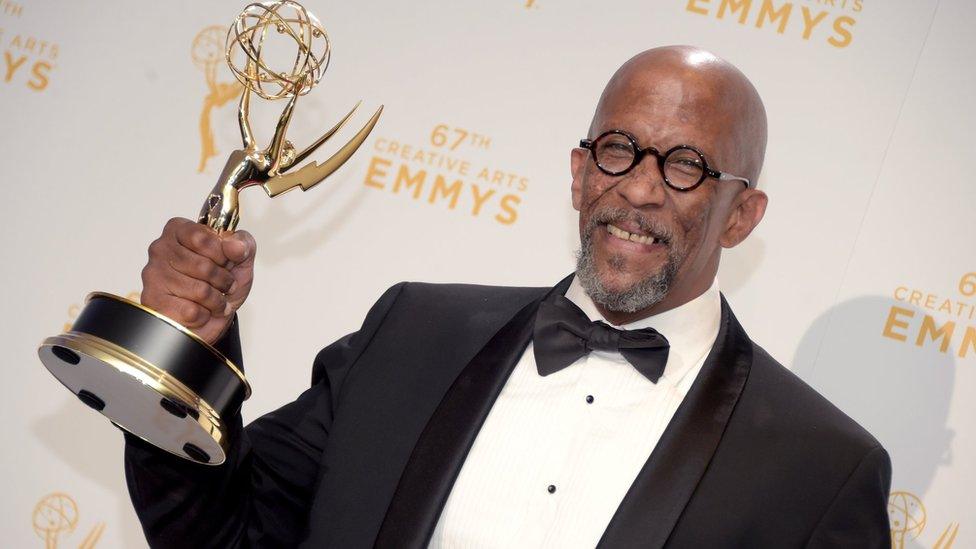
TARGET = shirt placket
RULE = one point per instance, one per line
(582, 414)
(556, 454)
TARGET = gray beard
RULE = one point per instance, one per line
(644, 294)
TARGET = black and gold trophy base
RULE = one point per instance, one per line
(150, 376)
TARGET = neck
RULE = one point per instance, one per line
(676, 297)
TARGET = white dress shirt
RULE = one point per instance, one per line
(557, 454)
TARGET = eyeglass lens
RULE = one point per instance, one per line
(614, 153)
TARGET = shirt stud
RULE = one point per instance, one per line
(551, 489)
(589, 399)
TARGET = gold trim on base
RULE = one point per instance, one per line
(156, 379)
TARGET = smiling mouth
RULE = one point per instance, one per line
(617, 232)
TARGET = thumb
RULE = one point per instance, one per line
(239, 247)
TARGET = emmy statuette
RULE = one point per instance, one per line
(145, 372)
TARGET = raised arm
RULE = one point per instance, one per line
(261, 496)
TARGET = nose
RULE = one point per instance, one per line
(643, 186)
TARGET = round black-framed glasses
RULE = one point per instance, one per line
(683, 167)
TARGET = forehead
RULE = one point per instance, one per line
(663, 107)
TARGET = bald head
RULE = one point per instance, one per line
(692, 86)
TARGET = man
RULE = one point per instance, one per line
(471, 416)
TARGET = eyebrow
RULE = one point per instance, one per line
(643, 144)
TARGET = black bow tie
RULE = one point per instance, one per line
(563, 334)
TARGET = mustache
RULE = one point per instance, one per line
(648, 225)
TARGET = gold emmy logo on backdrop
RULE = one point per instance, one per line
(26, 58)
(835, 20)
(440, 172)
(207, 53)
(57, 514)
(935, 320)
(147, 373)
(908, 518)
(73, 311)
(11, 9)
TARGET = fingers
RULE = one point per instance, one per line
(171, 283)
(202, 268)
(243, 278)
(197, 238)
(199, 292)
(198, 278)
(201, 257)
(240, 248)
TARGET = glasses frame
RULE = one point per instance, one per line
(640, 153)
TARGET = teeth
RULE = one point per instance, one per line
(624, 235)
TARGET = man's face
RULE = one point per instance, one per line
(640, 239)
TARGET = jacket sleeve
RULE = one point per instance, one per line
(261, 495)
(858, 515)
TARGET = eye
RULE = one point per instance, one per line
(683, 168)
(616, 148)
(684, 160)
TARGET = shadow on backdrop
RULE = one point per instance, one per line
(288, 235)
(897, 390)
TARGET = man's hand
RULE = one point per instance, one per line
(198, 278)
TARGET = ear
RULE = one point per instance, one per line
(748, 208)
(577, 163)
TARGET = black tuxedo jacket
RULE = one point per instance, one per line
(368, 455)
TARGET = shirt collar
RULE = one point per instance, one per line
(690, 328)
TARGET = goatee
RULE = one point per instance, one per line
(646, 292)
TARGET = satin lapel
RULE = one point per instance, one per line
(444, 444)
(652, 506)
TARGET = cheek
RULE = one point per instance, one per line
(695, 221)
(591, 193)
(594, 184)
(596, 195)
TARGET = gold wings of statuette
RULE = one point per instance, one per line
(313, 173)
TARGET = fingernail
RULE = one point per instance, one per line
(228, 310)
(232, 288)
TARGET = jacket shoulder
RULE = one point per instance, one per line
(427, 316)
(441, 301)
(787, 457)
(778, 399)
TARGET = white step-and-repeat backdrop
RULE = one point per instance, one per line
(861, 278)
